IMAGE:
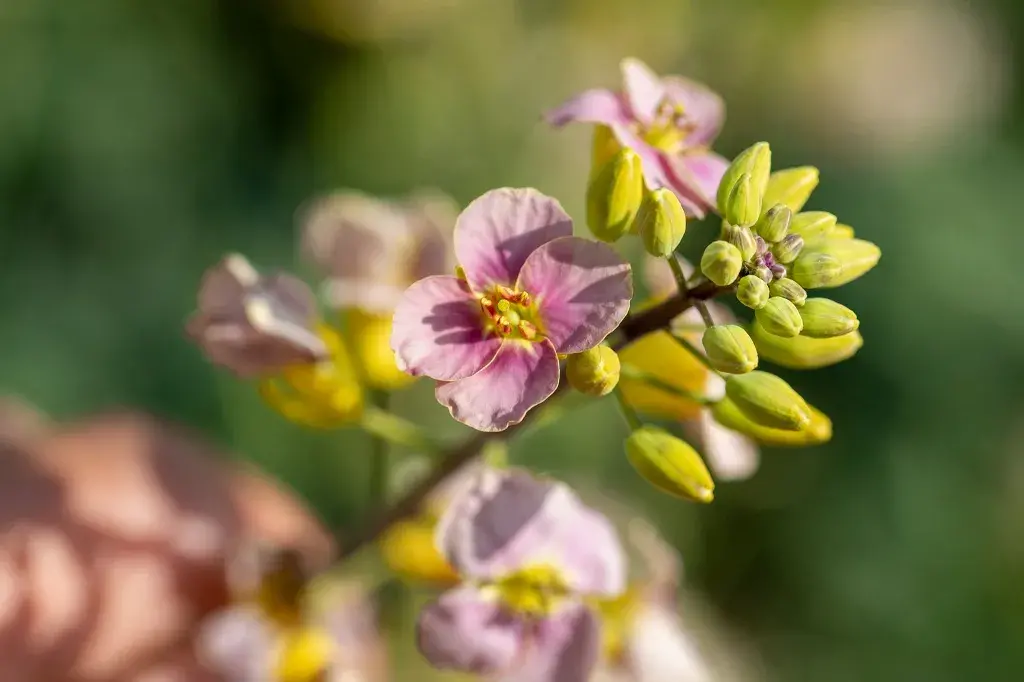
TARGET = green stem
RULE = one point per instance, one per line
(627, 411)
(379, 457)
(684, 289)
(391, 428)
(637, 374)
(703, 359)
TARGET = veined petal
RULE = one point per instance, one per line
(463, 631)
(496, 233)
(703, 108)
(561, 648)
(237, 643)
(696, 178)
(643, 89)
(521, 376)
(506, 520)
(590, 106)
(582, 289)
(438, 331)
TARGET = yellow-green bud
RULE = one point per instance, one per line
(774, 224)
(812, 224)
(730, 349)
(788, 249)
(721, 263)
(834, 262)
(752, 292)
(742, 238)
(743, 205)
(791, 186)
(841, 231)
(614, 196)
(593, 372)
(755, 161)
(818, 431)
(763, 273)
(789, 290)
(661, 222)
(669, 464)
(768, 400)
(803, 352)
(780, 317)
(824, 319)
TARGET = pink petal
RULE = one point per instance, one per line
(463, 631)
(582, 289)
(704, 108)
(521, 376)
(731, 455)
(696, 178)
(562, 648)
(237, 643)
(438, 331)
(496, 233)
(660, 649)
(643, 88)
(590, 106)
(505, 520)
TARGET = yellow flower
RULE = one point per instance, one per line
(371, 345)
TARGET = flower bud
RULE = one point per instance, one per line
(834, 262)
(824, 319)
(841, 231)
(661, 222)
(803, 352)
(774, 224)
(752, 292)
(742, 238)
(614, 196)
(791, 186)
(729, 348)
(780, 317)
(721, 263)
(604, 146)
(743, 206)
(812, 224)
(755, 161)
(788, 249)
(768, 400)
(593, 372)
(818, 431)
(669, 464)
(789, 290)
(764, 274)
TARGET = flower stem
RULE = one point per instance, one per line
(631, 372)
(684, 289)
(627, 411)
(390, 428)
(703, 359)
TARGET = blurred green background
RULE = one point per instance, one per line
(139, 141)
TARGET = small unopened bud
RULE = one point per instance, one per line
(803, 352)
(789, 290)
(791, 186)
(669, 464)
(721, 263)
(778, 271)
(764, 273)
(788, 249)
(841, 231)
(593, 372)
(834, 262)
(743, 206)
(661, 222)
(780, 317)
(768, 400)
(812, 224)
(730, 349)
(752, 292)
(774, 224)
(742, 238)
(755, 161)
(824, 319)
(818, 431)
(614, 195)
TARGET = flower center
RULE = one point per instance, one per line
(510, 314)
(534, 590)
(669, 129)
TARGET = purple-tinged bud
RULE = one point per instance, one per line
(789, 248)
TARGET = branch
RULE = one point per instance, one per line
(632, 328)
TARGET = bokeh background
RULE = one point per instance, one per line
(139, 141)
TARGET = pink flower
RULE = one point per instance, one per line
(530, 291)
(669, 122)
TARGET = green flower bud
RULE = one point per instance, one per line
(752, 292)
(742, 238)
(755, 161)
(721, 263)
(788, 249)
(834, 262)
(661, 222)
(669, 464)
(824, 319)
(812, 224)
(789, 290)
(780, 317)
(614, 196)
(768, 400)
(743, 206)
(593, 372)
(774, 224)
(730, 349)
(841, 231)
(803, 352)
(818, 431)
(791, 186)
(764, 274)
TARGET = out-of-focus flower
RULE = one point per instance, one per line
(531, 553)
(529, 291)
(803, 352)
(669, 122)
(20, 422)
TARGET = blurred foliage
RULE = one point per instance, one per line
(140, 141)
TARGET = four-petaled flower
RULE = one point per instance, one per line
(669, 122)
(529, 552)
(529, 290)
